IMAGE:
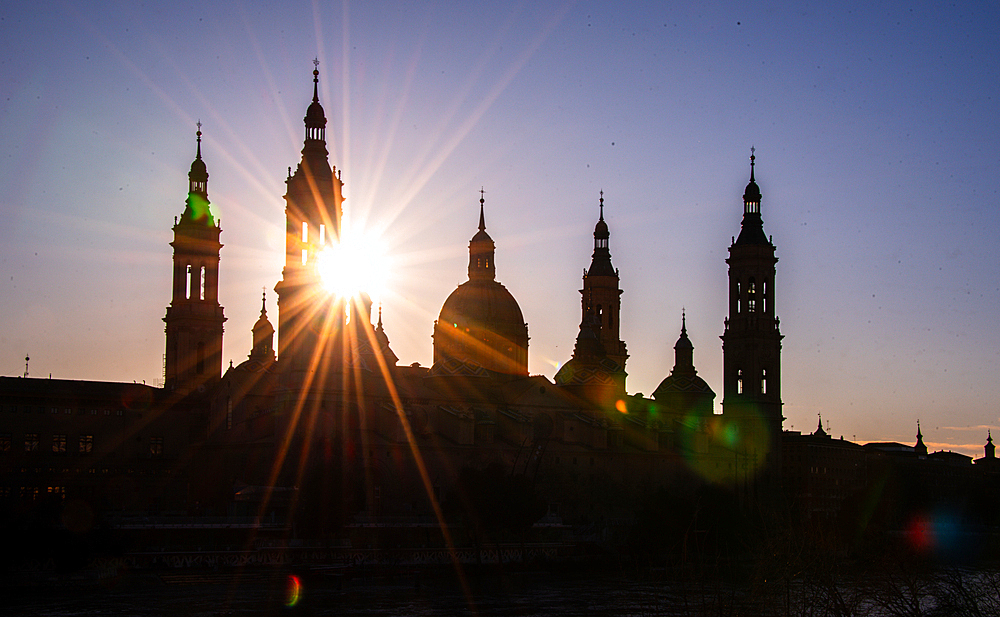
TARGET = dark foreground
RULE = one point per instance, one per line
(903, 592)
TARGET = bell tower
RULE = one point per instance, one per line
(751, 343)
(602, 295)
(194, 319)
(313, 208)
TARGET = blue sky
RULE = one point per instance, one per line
(875, 126)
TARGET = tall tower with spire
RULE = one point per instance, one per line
(313, 210)
(194, 320)
(751, 343)
(602, 294)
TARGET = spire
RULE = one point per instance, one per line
(482, 248)
(920, 448)
(752, 231)
(196, 207)
(990, 448)
(683, 351)
(600, 265)
(315, 116)
(819, 428)
(263, 334)
(482, 205)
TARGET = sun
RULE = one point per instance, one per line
(356, 264)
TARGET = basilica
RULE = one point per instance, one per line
(322, 429)
(329, 407)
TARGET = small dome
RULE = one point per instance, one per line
(315, 116)
(752, 193)
(601, 231)
(199, 171)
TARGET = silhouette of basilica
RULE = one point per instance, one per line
(334, 409)
(328, 433)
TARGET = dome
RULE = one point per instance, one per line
(315, 116)
(682, 383)
(601, 231)
(481, 324)
(199, 171)
(752, 192)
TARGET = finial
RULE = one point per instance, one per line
(482, 205)
(989, 438)
(379, 315)
(752, 157)
(602, 206)
(26, 359)
(289, 173)
(683, 322)
(198, 134)
(316, 80)
(919, 436)
(263, 303)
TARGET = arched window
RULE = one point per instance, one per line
(763, 381)
(763, 297)
(738, 298)
(739, 381)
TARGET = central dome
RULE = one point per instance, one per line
(481, 326)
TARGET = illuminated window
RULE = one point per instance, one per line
(86, 444)
(156, 446)
(763, 381)
(4, 442)
(752, 296)
(739, 381)
(31, 442)
(59, 443)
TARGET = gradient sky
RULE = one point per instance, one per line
(875, 126)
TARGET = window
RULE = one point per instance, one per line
(156, 446)
(86, 444)
(4, 442)
(739, 381)
(763, 381)
(57, 490)
(229, 413)
(752, 296)
(59, 443)
(30, 442)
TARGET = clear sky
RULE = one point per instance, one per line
(875, 125)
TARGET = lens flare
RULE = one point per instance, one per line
(294, 591)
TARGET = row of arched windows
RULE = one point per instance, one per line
(753, 297)
(740, 382)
